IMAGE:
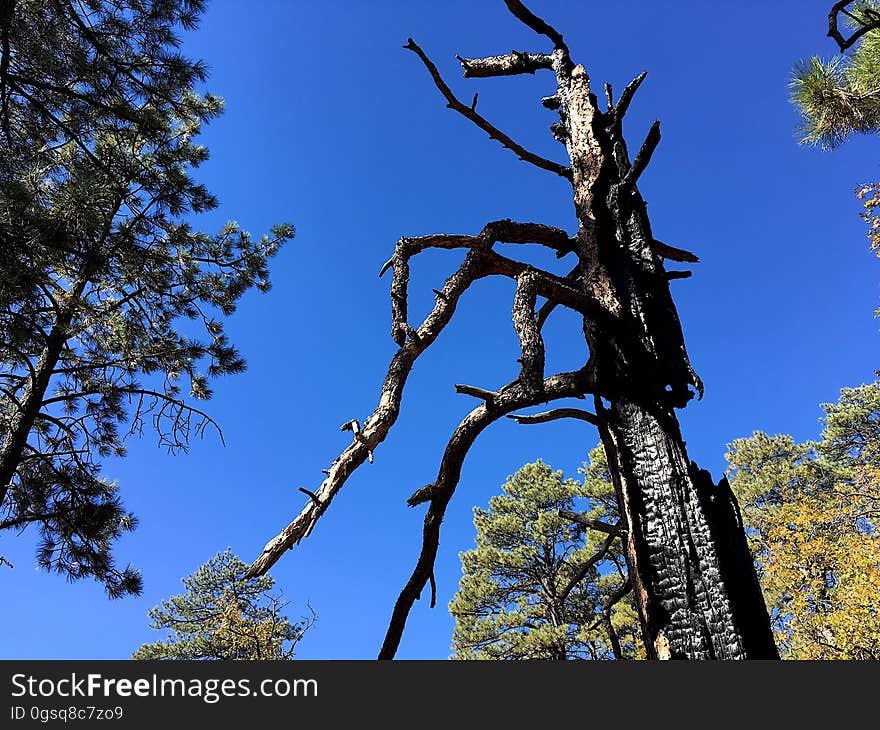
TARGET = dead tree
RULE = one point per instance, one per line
(689, 565)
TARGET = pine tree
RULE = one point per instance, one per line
(224, 615)
(535, 587)
(840, 96)
(813, 513)
(116, 321)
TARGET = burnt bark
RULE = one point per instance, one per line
(695, 587)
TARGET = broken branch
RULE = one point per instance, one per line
(643, 157)
(672, 253)
(482, 394)
(627, 95)
(510, 64)
(592, 524)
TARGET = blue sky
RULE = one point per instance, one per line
(332, 126)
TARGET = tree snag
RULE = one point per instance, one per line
(689, 566)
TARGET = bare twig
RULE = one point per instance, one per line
(312, 495)
(472, 390)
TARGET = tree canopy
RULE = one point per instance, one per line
(537, 586)
(117, 323)
(813, 510)
(840, 96)
(224, 615)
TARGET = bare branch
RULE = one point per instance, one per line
(515, 62)
(486, 395)
(627, 96)
(494, 133)
(588, 564)
(643, 157)
(557, 414)
(548, 306)
(377, 426)
(553, 287)
(500, 231)
(672, 253)
(526, 16)
(591, 524)
(563, 385)
(531, 374)
(670, 275)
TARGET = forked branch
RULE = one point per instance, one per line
(480, 262)
(564, 385)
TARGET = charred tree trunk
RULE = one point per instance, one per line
(689, 566)
(692, 601)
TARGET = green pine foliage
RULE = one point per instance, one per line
(841, 96)
(224, 615)
(812, 513)
(113, 320)
(520, 595)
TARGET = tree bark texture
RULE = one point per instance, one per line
(694, 589)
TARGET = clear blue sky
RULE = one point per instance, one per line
(331, 125)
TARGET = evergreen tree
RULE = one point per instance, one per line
(535, 587)
(224, 615)
(840, 96)
(813, 513)
(69, 74)
(117, 319)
